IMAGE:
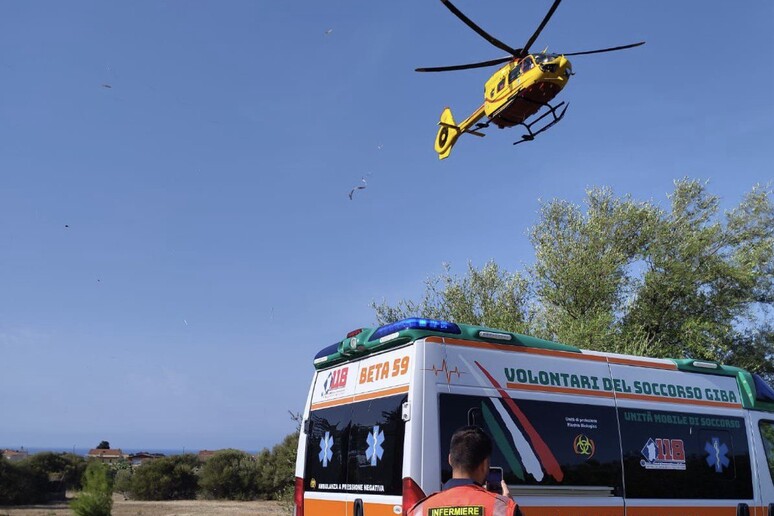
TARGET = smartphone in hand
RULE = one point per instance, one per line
(494, 480)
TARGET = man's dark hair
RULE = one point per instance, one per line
(470, 446)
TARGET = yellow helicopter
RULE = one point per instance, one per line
(515, 92)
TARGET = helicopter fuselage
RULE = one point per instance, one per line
(520, 88)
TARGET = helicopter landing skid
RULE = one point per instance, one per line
(552, 110)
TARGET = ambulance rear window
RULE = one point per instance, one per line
(356, 448)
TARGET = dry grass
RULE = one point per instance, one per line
(123, 507)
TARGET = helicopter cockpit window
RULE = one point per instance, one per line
(526, 64)
(544, 58)
(501, 85)
(514, 74)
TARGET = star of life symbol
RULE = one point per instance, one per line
(326, 443)
(717, 455)
(375, 451)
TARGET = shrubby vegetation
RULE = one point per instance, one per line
(39, 477)
(231, 475)
(168, 478)
(96, 498)
(21, 484)
(277, 468)
(63, 468)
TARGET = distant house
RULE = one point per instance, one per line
(142, 457)
(15, 455)
(204, 455)
(109, 456)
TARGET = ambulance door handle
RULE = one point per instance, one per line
(359, 507)
(743, 509)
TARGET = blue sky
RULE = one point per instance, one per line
(212, 248)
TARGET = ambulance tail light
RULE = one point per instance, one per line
(354, 333)
(298, 497)
(412, 493)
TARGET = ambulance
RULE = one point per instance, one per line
(576, 432)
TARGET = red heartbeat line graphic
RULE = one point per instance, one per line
(448, 372)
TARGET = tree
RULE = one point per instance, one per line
(21, 484)
(230, 475)
(103, 445)
(122, 483)
(96, 499)
(66, 468)
(277, 467)
(581, 271)
(486, 297)
(167, 478)
(626, 276)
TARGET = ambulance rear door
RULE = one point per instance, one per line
(376, 450)
(354, 456)
(327, 435)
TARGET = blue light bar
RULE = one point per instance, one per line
(415, 323)
(324, 352)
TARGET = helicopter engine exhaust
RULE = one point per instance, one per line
(448, 132)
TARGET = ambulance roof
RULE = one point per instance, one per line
(364, 341)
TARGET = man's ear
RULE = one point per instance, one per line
(449, 459)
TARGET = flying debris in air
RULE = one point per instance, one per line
(358, 187)
(328, 31)
(108, 86)
(379, 147)
(67, 225)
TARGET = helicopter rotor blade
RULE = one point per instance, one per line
(468, 66)
(524, 51)
(481, 32)
(611, 49)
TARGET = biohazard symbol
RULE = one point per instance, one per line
(583, 445)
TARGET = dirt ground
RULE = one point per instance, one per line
(123, 507)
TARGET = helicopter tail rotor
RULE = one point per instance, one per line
(448, 132)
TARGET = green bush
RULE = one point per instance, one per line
(21, 484)
(277, 468)
(96, 499)
(122, 483)
(230, 475)
(68, 468)
(168, 478)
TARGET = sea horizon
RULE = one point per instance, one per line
(83, 451)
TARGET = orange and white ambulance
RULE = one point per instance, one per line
(576, 432)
